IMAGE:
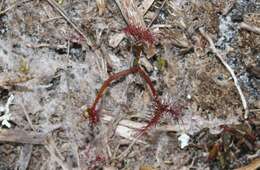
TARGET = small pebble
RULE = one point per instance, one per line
(188, 96)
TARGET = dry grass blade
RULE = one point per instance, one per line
(21, 136)
(56, 155)
(157, 14)
(7, 80)
(89, 42)
(1, 5)
(144, 7)
(55, 5)
(25, 157)
(127, 151)
(101, 4)
(125, 128)
(7, 9)
(10, 7)
(220, 57)
(255, 164)
(249, 27)
(130, 12)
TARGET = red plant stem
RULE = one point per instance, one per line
(156, 117)
(149, 82)
(132, 70)
(113, 77)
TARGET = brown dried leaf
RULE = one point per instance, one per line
(255, 164)
(101, 4)
(146, 167)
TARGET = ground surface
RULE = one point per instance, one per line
(53, 73)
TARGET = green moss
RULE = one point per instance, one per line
(161, 63)
(24, 66)
(60, 1)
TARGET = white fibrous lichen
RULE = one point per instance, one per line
(226, 32)
(5, 118)
(184, 140)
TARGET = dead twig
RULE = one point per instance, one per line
(130, 12)
(56, 155)
(91, 44)
(221, 58)
(10, 80)
(157, 14)
(228, 8)
(51, 19)
(27, 116)
(24, 158)
(51, 147)
(7, 9)
(1, 5)
(254, 110)
(127, 128)
(255, 164)
(249, 27)
(127, 151)
(55, 5)
(101, 4)
(21, 136)
(26, 151)
(11, 6)
(45, 45)
(144, 7)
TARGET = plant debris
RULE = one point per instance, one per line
(129, 84)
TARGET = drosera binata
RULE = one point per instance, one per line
(139, 33)
(160, 107)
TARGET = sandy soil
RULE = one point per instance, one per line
(55, 56)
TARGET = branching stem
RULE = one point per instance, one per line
(92, 111)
